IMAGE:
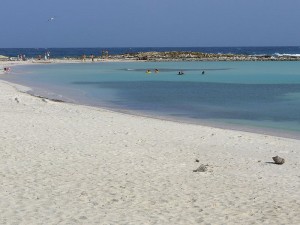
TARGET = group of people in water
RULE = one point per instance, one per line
(182, 73)
(179, 73)
(155, 71)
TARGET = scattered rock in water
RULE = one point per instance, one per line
(278, 160)
(201, 168)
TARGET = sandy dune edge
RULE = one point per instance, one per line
(69, 164)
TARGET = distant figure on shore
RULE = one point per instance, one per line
(156, 71)
(83, 57)
(48, 54)
(6, 69)
(180, 73)
(92, 57)
(203, 72)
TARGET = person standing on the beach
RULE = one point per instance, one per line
(83, 57)
(92, 57)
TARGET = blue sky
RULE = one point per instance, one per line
(147, 23)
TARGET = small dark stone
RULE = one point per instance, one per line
(197, 160)
(278, 160)
(201, 168)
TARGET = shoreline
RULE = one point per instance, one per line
(89, 165)
(290, 134)
(249, 129)
(164, 56)
(246, 129)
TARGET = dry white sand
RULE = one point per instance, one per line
(68, 164)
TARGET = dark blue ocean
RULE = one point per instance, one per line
(76, 52)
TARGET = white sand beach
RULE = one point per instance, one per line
(69, 164)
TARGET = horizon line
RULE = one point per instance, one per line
(250, 46)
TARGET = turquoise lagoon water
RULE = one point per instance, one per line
(254, 96)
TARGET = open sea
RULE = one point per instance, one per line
(261, 97)
(77, 52)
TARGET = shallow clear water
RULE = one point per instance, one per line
(243, 95)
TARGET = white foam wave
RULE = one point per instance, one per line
(284, 54)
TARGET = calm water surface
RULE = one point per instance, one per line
(260, 96)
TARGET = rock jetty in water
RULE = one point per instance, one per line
(200, 56)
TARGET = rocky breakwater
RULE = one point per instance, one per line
(200, 56)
